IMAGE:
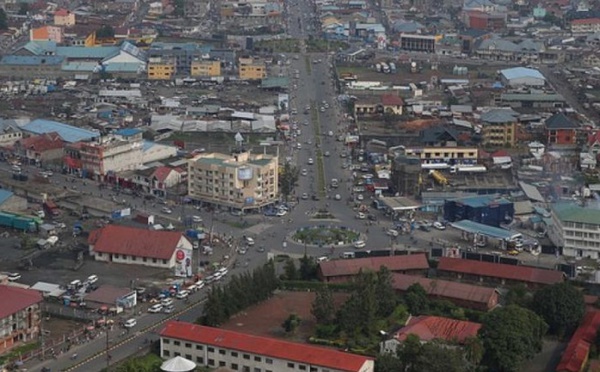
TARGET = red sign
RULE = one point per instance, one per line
(180, 255)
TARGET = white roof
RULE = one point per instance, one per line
(178, 364)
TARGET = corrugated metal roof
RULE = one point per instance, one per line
(572, 212)
(479, 228)
(98, 53)
(13, 60)
(531, 192)
(67, 132)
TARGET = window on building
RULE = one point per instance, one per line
(246, 356)
(166, 341)
(290, 365)
(301, 367)
(234, 354)
(211, 349)
(166, 353)
(200, 360)
(268, 360)
(188, 345)
(188, 357)
(222, 351)
(234, 366)
(176, 343)
(222, 363)
(257, 369)
(164, 262)
(199, 347)
(176, 354)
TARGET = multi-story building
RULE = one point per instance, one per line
(45, 33)
(40, 149)
(449, 155)
(252, 69)
(161, 68)
(184, 54)
(241, 180)
(406, 174)
(64, 17)
(560, 130)
(575, 229)
(585, 26)
(214, 348)
(419, 43)
(113, 153)
(20, 316)
(203, 67)
(499, 128)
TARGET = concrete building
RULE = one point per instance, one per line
(560, 130)
(214, 348)
(45, 33)
(485, 209)
(114, 153)
(449, 155)
(20, 316)
(41, 149)
(161, 68)
(64, 17)
(252, 69)
(241, 180)
(585, 26)
(499, 128)
(406, 174)
(10, 132)
(419, 43)
(575, 229)
(379, 105)
(184, 54)
(208, 68)
(129, 245)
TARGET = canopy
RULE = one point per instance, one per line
(178, 364)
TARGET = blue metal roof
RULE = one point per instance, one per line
(4, 195)
(521, 72)
(481, 229)
(40, 47)
(67, 132)
(87, 52)
(31, 60)
(481, 201)
(126, 132)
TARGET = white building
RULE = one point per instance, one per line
(215, 347)
(576, 229)
(121, 151)
(521, 76)
(129, 245)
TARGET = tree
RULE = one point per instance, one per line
(323, 308)
(511, 335)
(388, 362)
(288, 180)
(105, 32)
(416, 299)
(308, 268)
(432, 356)
(291, 272)
(358, 314)
(518, 295)
(562, 307)
(291, 323)
(385, 293)
(214, 309)
(3, 20)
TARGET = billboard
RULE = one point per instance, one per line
(183, 262)
(245, 173)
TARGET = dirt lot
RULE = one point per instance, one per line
(265, 319)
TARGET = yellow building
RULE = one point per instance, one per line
(444, 154)
(241, 181)
(64, 17)
(499, 127)
(205, 68)
(252, 69)
(161, 68)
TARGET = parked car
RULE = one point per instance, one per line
(249, 240)
(196, 218)
(392, 232)
(13, 277)
(168, 309)
(167, 301)
(167, 210)
(361, 216)
(439, 225)
(359, 244)
(130, 323)
(181, 295)
(156, 308)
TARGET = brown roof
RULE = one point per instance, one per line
(391, 100)
(334, 268)
(130, 241)
(445, 288)
(15, 299)
(576, 353)
(430, 328)
(502, 271)
(107, 294)
(42, 142)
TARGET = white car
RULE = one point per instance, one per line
(13, 277)
(167, 210)
(392, 232)
(196, 218)
(304, 196)
(182, 294)
(249, 240)
(361, 216)
(439, 225)
(199, 284)
(130, 323)
(167, 302)
(310, 161)
(281, 213)
(156, 308)
(92, 279)
(338, 197)
(304, 172)
(360, 197)
(359, 244)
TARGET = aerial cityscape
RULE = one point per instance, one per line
(299, 185)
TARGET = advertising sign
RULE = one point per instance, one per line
(245, 173)
(183, 262)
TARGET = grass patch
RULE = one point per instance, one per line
(356, 70)
(325, 235)
(18, 351)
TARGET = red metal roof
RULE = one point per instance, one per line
(576, 353)
(502, 271)
(430, 328)
(444, 288)
(130, 241)
(393, 263)
(270, 347)
(586, 21)
(62, 13)
(42, 142)
(391, 100)
(15, 299)
(161, 173)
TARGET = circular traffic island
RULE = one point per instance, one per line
(322, 235)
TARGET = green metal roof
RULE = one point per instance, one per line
(274, 82)
(570, 212)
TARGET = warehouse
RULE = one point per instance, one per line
(521, 76)
(488, 210)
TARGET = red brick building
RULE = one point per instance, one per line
(560, 130)
(339, 271)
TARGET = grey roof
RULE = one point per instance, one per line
(498, 116)
(541, 97)
(10, 125)
(521, 72)
(526, 45)
(560, 121)
(435, 134)
(531, 192)
(407, 26)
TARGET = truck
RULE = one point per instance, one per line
(439, 177)
(51, 208)
(468, 169)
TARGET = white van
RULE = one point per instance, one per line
(322, 259)
(348, 255)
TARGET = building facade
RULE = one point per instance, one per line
(112, 154)
(241, 181)
(64, 17)
(499, 128)
(252, 69)
(575, 230)
(219, 348)
(419, 43)
(20, 316)
(208, 68)
(161, 68)
(450, 155)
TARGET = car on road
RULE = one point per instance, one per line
(92, 279)
(196, 218)
(438, 225)
(156, 308)
(304, 196)
(327, 153)
(513, 252)
(392, 232)
(271, 213)
(260, 249)
(337, 197)
(372, 217)
(360, 197)
(167, 210)
(310, 161)
(182, 294)
(424, 228)
(249, 240)
(168, 309)
(13, 277)
(281, 213)
(359, 244)
(130, 323)
(315, 197)
(304, 172)
(166, 301)
(361, 216)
